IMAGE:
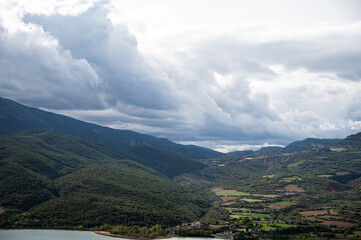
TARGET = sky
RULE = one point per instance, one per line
(228, 75)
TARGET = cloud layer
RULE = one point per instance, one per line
(246, 82)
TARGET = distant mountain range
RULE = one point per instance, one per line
(296, 146)
(15, 117)
(59, 172)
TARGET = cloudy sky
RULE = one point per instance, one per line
(227, 75)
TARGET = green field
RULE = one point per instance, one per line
(266, 195)
(268, 176)
(340, 149)
(285, 225)
(270, 226)
(297, 163)
(237, 194)
(250, 200)
(261, 216)
(325, 175)
(234, 194)
(291, 178)
(267, 228)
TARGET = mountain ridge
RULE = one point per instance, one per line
(292, 147)
(61, 180)
(15, 117)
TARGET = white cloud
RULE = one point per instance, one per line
(186, 77)
(36, 70)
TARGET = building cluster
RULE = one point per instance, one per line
(198, 225)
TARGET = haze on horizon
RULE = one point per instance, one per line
(228, 75)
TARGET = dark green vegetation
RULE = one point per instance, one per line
(15, 117)
(52, 180)
(305, 194)
(126, 183)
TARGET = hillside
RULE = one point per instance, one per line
(51, 179)
(15, 117)
(351, 142)
(39, 142)
(305, 194)
(307, 143)
(296, 146)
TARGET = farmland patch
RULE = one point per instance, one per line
(294, 188)
(297, 163)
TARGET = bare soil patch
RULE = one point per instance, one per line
(330, 217)
(272, 206)
(338, 223)
(335, 187)
(342, 173)
(312, 213)
(229, 198)
(332, 211)
(220, 191)
(2, 210)
(294, 188)
(228, 203)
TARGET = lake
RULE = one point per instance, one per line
(29, 234)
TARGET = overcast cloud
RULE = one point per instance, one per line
(226, 83)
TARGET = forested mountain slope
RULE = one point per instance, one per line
(15, 117)
(54, 179)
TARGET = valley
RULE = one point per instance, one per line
(303, 194)
(139, 186)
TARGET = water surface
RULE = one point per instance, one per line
(27, 234)
(30, 234)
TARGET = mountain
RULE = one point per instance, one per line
(352, 141)
(309, 142)
(307, 194)
(51, 179)
(315, 165)
(241, 153)
(296, 146)
(15, 117)
(270, 150)
(169, 164)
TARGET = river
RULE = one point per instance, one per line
(29, 234)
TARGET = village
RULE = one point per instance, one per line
(203, 229)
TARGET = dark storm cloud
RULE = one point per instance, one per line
(150, 97)
(88, 67)
(45, 75)
(342, 56)
(112, 52)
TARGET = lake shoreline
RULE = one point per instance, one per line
(105, 233)
(61, 234)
